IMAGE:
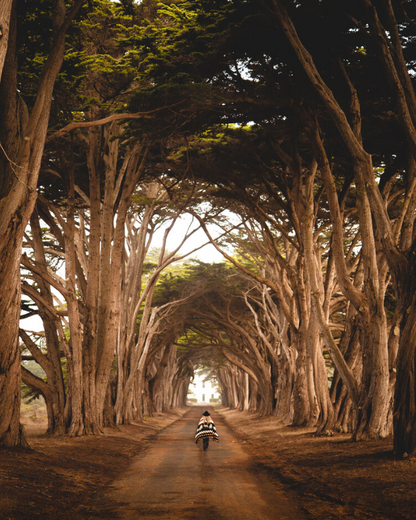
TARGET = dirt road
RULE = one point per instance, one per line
(176, 479)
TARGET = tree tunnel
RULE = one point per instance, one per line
(225, 322)
(294, 155)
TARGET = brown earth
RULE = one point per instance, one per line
(329, 477)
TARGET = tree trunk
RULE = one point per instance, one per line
(285, 389)
(5, 15)
(325, 408)
(158, 383)
(90, 333)
(114, 242)
(374, 399)
(344, 408)
(16, 207)
(301, 405)
(75, 369)
(404, 416)
(11, 433)
(246, 391)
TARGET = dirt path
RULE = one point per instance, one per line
(331, 478)
(176, 479)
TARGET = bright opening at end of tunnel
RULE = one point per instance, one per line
(203, 390)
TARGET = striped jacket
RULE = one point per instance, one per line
(206, 430)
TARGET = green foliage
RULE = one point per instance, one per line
(201, 287)
(34, 39)
(181, 277)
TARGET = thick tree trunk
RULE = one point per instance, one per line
(325, 408)
(345, 412)
(10, 251)
(16, 203)
(129, 404)
(254, 396)
(82, 417)
(158, 384)
(344, 408)
(285, 388)
(90, 332)
(112, 257)
(11, 433)
(54, 411)
(301, 405)
(132, 297)
(16, 207)
(404, 416)
(5, 15)
(374, 400)
(108, 309)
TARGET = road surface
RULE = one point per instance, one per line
(175, 479)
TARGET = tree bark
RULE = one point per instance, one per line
(5, 15)
(22, 168)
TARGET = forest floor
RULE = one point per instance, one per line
(331, 478)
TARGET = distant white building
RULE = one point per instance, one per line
(201, 391)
